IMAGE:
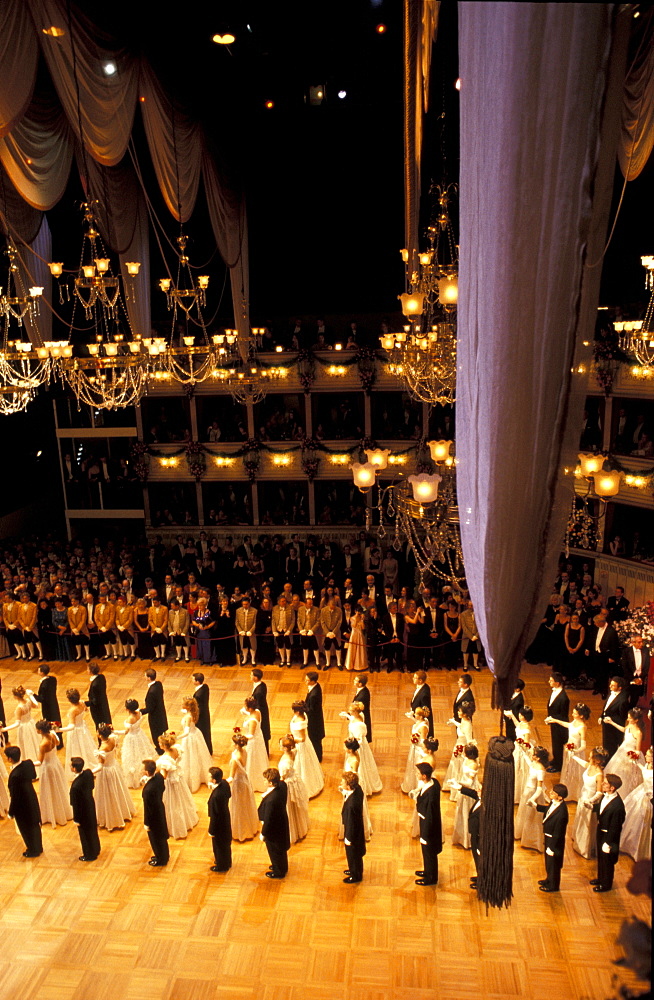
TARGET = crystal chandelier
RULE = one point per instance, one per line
(188, 363)
(22, 367)
(420, 510)
(637, 336)
(423, 354)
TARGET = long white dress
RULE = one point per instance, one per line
(307, 764)
(196, 759)
(54, 794)
(79, 743)
(242, 806)
(257, 759)
(27, 737)
(636, 839)
(521, 760)
(461, 833)
(113, 803)
(181, 814)
(572, 772)
(135, 748)
(528, 821)
(4, 793)
(297, 802)
(414, 756)
(368, 774)
(626, 768)
(585, 823)
(455, 766)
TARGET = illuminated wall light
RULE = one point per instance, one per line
(280, 461)
(381, 29)
(223, 462)
(457, 83)
(339, 459)
(336, 370)
(54, 32)
(169, 463)
(397, 459)
(227, 39)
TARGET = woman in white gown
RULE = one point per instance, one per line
(297, 802)
(575, 749)
(352, 763)
(419, 730)
(357, 729)
(181, 814)
(426, 755)
(135, 747)
(79, 743)
(585, 821)
(469, 779)
(242, 805)
(464, 736)
(113, 803)
(306, 761)
(54, 794)
(628, 756)
(27, 737)
(257, 758)
(522, 751)
(636, 839)
(528, 821)
(196, 759)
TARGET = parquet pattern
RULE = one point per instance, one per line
(120, 929)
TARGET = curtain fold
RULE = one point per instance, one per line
(37, 272)
(18, 58)
(637, 135)
(534, 100)
(37, 153)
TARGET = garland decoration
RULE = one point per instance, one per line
(140, 459)
(196, 460)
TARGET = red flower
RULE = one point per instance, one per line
(570, 746)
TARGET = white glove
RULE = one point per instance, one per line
(606, 849)
(549, 852)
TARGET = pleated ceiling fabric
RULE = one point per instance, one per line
(38, 151)
(536, 134)
(637, 136)
(18, 58)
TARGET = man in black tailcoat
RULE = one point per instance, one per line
(274, 823)
(23, 803)
(555, 824)
(615, 709)
(315, 718)
(635, 668)
(362, 694)
(98, 703)
(421, 698)
(155, 708)
(201, 695)
(47, 698)
(428, 807)
(154, 814)
(354, 833)
(220, 821)
(610, 820)
(558, 708)
(260, 695)
(84, 814)
(516, 705)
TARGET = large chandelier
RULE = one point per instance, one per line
(22, 368)
(423, 354)
(637, 336)
(420, 509)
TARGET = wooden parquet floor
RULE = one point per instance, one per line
(120, 929)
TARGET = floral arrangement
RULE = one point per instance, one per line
(365, 361)
(140, 460)
(306, 370)
(236, 730)
(415, 739)
(570, 747)
(196, 459)
(608, 356)
(633, 755)
(251, 458)
(639, 622)
(523, 743)
(458, 750)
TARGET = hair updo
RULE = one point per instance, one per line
(239, 740)
(288, 743)
(352, 745)
(471, 751)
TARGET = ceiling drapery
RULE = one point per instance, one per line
(39, 135)
(540, 100)
(637, 136)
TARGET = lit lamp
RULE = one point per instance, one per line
(440, 450)
(56, 269)
(133, 267)
(590, 463)
(378, 457)
(607, 484)
(425, 487)
(102, 264)
(363, 474)
(448, 290)
(413, 303)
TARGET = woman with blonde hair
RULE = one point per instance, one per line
(27, 737)
(357, 729)
(297, 802)
(181, 814)
(54, 799)
(242, 805)
(419, 731)
(196, 759)
(307, 764)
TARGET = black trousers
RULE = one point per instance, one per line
(429, 864)
(278, 858)
(354, 863)
(605, 867)
(31, 834)
(89, 840)
(317, 746)
(553, 868)
(222, 853)
(159, 847)
(394, 655)
(559, 739)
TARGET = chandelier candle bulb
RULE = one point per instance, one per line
(378, 457)
(133, 267)
(590, 463)
(363, 474)
(425, 487)
(89, 270)
(439, 450)
(607, 484)
(56, 269)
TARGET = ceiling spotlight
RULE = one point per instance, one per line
(380, 29)
(342, 94)
(225, 39)
(457, 85)
(270, 104)
(109, 68)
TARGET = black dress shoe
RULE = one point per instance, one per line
(83, 857)
(215, 868)
(420, 874)
(594, 881)
(602, 888)
(347, 871)
(273, 875)
(349, 880)
(156, 864)
(552, 770)
(547, 888)
(422, 881)
(32, 854)
(543, 881)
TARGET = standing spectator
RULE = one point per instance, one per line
(158, 624)
(469, 636)
(79, 630)
(602, 648)
(617, 607)
(331, 617)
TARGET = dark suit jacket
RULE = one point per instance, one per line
(220, 821)
(618, 708)
(260, 694)
(23, 803)
(618, 609)
(560, 707)
(474, 818)
(364, 697)
(352, 817)
(422, 699)
(98, 701)
(155, 711)
(274, 818)
(516, 705)
(628, 666)
(554, 828)
(81, 799)
(428, 806)
(154, 814)
(387, 626)
(47, 696)
(315, 719)
(609, 645)
(201, 695)
(468, 697)
(610, 823)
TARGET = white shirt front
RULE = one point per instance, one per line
(605, 801)
(555, 692)
(611, 698)
(598, 638)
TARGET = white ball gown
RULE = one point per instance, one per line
(135, 748)
(461, 833)
(54, 793)
(79, 743)
(528, 821)
(572, 772)
(636, 839)
(521, 761)
(181, 814)
(368, 774)
(307, 764)
(585, 823)
(242, 806)
(622, 765)
(455, 766)
(297, 802)
(113, 803)
(196, 759)
(414, 756)
(27, 737)
(257, 759)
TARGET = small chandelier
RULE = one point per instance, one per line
(22, 368)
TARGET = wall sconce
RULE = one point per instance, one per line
(223, 461)
(339, 459)
(169, 463)
(397, 459)
(281, 461)
(336, 370)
